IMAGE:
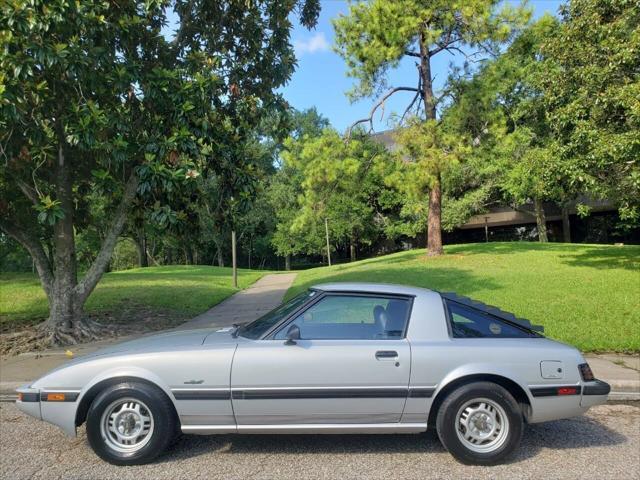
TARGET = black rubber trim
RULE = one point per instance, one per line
(421, 392)
(264, 394)
(68, 396)
(553, 391)
(320, 393)
(30, 396)
(386, 354)
(202, 395)
(600, 388)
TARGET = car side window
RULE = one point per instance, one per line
(467, 322)
(352, 317)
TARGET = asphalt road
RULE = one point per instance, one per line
(603, 444)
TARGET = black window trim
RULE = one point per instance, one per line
(522, 328)
(310, 301)
(270, 334)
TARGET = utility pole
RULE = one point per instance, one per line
(326, 229)
(234, 259)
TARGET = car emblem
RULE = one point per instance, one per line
(193, 382)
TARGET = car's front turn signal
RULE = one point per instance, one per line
(55, 397)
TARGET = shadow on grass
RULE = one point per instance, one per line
(499, 248)
(627, 258)
(570, 434)
(433, 277)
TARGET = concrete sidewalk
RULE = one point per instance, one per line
(622, 372)
(246, 305)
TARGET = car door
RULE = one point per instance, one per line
(351, 365)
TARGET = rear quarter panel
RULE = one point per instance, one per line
(437, 359)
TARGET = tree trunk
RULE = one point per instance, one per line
(67, 305)
(566, 224)
(234, 259)
(57, 268)
(188, 254)
(352, 249)
(220, 256)
(434, 224)
(287, 262)
(65, 311)
(434, 220)
(141, 245)
(541, 220)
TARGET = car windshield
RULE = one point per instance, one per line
(257, 328)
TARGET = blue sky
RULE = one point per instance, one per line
(321, 81)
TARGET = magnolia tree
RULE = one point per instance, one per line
(96, 102)
(376, 36)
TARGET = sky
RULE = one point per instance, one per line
(321, 79)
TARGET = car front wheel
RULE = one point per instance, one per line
(480, 423)
(130, 423)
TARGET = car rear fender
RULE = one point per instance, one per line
(476, 372)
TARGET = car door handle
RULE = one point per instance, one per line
(380, 354)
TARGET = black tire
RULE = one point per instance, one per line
(448, 423)
(160, 411)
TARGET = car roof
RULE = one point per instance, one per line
(388, 288)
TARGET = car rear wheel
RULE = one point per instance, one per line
(131, 423)
(480, 423)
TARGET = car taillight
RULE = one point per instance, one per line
(585, 372)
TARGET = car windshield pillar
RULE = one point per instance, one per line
(259, 327)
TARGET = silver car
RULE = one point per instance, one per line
(338, 358)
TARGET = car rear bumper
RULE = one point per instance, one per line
(555, 402)
(597, 387)
(594, 393)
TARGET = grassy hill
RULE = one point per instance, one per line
(584, 295)
(180, 292)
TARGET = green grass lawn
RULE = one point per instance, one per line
(182, 290)
(584, 295)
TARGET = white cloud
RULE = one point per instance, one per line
(317, 43)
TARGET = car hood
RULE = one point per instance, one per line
(166, 341)
(169, 342)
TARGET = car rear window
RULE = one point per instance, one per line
(467, 322)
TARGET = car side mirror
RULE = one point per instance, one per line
(293, 334)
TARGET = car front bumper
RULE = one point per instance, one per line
(29, 401)
(36, 403)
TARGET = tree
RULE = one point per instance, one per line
(95, 100)
(502, 108)
(341, 184)
(376, 36)
(286, 185)
(427, 147)
(591, 92)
